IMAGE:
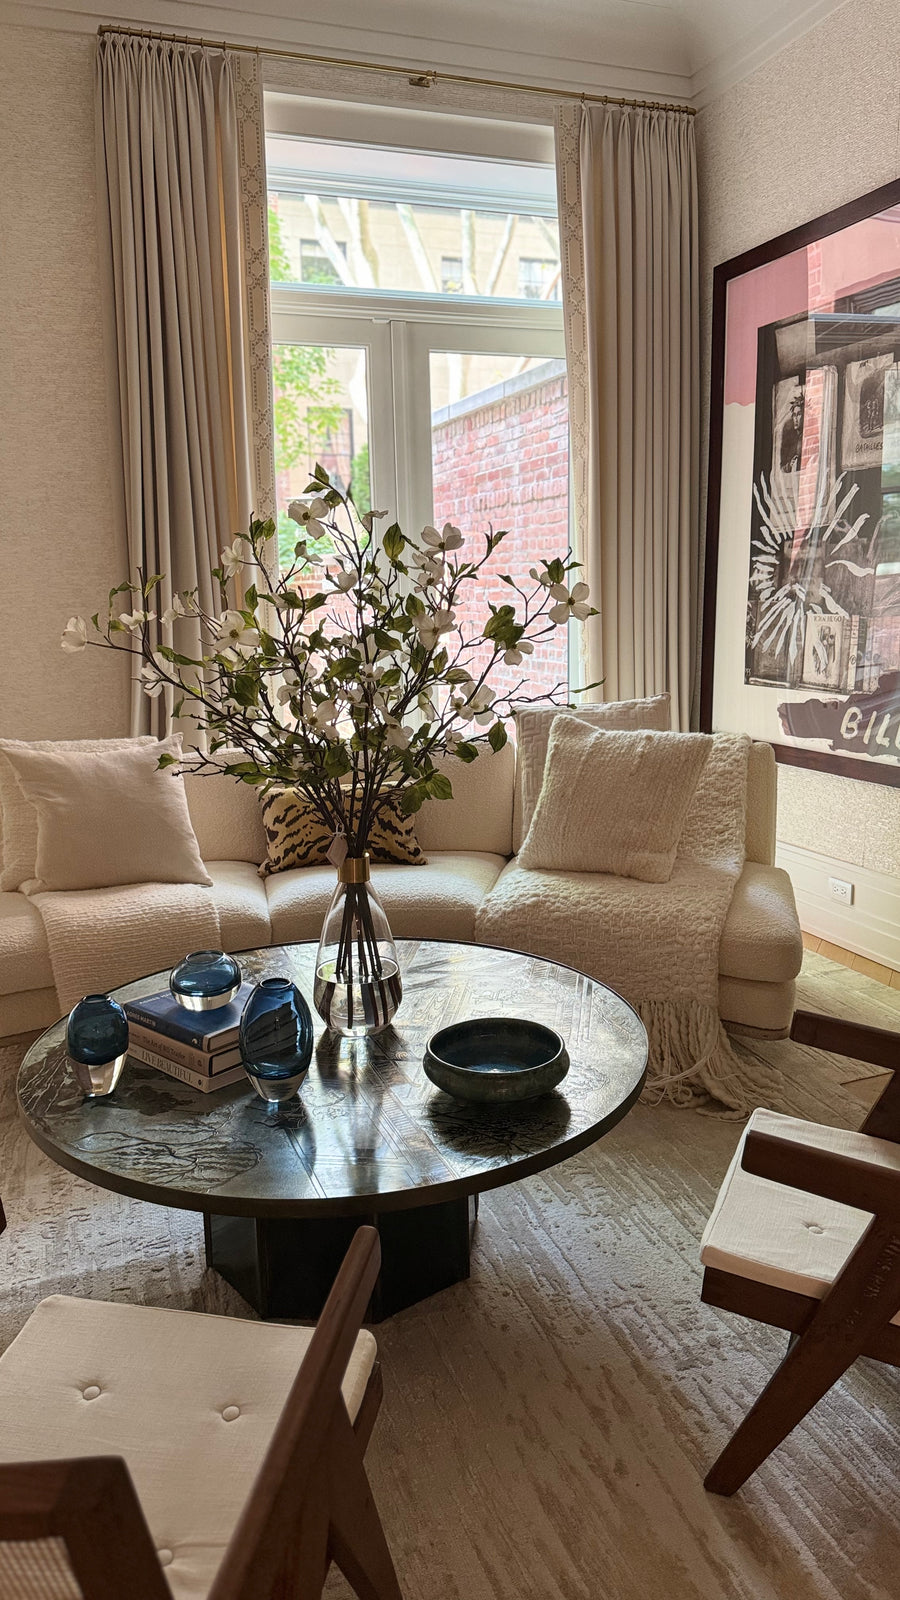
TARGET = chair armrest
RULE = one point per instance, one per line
(91, 1505)
(879, 1046)
(866, 1185)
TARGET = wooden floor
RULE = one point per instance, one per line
(546, 1426)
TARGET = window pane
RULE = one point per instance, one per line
(321, 414)
(356, 218)
(500, 457)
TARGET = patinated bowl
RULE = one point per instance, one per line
(496, 1059)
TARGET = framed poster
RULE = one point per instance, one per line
(801, 635)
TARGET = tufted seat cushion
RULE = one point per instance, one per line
(190, 1401)
(785, 1237)
(761, 939)
(437, 901)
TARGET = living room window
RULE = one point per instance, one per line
(414, 355)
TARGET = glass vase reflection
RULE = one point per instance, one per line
(276, 1039)
(357, 986)
(205, 980)
(97, 1043)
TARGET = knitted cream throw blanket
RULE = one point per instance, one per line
(100, 938)
(656, 944)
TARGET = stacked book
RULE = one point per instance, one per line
(198, 1047)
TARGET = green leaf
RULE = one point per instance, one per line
(95, 619)
(167, 761)
(393, 542)
(497, 736)
(466, 752)
(411, 799)
(439, 787)
(251, 597)
(319, 473)
(151, 583)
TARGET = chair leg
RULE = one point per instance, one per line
(356, 1540)
(804, 1376)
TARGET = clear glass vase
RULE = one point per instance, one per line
(357, 988)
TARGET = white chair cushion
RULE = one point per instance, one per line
(782, 1236)
(761, 939)
(225, 814)
(479, 817)
(24, 957)
(190, 1401)
(437, 901)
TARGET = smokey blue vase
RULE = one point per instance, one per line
(97, 1043)
(205, 980)
(276, 1039)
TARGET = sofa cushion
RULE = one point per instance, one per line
(241, 903)
(437, 901)
(225, 814)
(190, 1401)
(18, 819)
(757, 1008)
(479, 817)
(786, 1237)
(533, 725)
(761, 939)
(24, 957)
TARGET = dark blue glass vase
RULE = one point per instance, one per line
(276, 1038)
(205, 980)
(97, 1043)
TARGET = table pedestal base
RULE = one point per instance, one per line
(285, 1267)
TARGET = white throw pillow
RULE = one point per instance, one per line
(614, 801)
(18, 820)
(533, 725)
(108, 817)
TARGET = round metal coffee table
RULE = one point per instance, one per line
(369, 1139)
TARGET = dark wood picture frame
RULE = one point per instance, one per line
(885, 699)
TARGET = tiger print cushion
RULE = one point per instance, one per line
(296, 836)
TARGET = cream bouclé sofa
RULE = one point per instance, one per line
(468, 840)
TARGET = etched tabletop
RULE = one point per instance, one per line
(368, 1131)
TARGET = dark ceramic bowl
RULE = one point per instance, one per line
(496, 1059)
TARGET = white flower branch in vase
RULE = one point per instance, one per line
(350, 677)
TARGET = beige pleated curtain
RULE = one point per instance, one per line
(182, 152)
(628, 215)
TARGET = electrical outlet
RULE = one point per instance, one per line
(840, 889)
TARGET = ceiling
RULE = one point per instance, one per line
(691, 49)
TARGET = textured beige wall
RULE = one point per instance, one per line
(816, 126)
(61, 546)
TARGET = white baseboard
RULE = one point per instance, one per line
(869, 927)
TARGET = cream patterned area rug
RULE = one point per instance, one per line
(546, 1426)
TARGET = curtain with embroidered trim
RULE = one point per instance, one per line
(628, 223)
(183, 157)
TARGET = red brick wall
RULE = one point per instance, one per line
(506, 465)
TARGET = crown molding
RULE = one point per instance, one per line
(757, 47)
(272, 31)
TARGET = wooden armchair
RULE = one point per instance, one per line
(807, 1264)
(180, 1459)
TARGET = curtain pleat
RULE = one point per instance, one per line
(628, 215)
(176, 126)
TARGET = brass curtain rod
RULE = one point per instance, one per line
(424, 79)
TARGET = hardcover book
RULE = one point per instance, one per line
(203, 1030)
(208, 1062)
(203, 1081)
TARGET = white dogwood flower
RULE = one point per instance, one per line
(310, 514)
(173, 612)
(136, 619)
(540, 577)
(153, 683)
(430, 626)
(343, 579)
(233, 558)
(574, 605)
(398, 736)
(74, 636)
(449, 539)
(513, 657)
(235, 634)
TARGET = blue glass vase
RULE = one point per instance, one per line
(205, 980)
(97, 1043)
(276, 1039)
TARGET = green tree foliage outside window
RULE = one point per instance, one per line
(305, 413)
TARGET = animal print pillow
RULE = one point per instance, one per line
(296, 836)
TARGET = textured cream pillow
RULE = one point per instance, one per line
(533, 724)
(18, 822)
(614, 801)
(108, 817)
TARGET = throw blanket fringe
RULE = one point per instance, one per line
(101, 938)
(693, 1063)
